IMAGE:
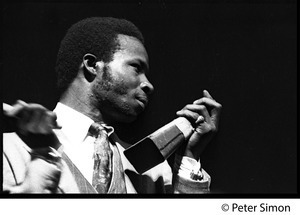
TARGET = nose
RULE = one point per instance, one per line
(146, 86)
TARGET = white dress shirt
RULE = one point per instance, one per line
(80, 146)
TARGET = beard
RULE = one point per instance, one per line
(109, 97)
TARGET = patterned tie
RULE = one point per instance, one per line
(103, 154)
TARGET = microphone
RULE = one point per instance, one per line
(158, 146)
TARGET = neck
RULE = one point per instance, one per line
(78, 98)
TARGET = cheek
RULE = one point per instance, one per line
(121, 87)
(125, 85)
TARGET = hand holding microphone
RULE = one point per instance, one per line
(193, 129)
(34, 124)
(204, 115)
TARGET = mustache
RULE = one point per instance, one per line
(143, 98)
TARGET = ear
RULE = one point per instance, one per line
(89, 63)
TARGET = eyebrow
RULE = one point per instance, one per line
(144, 65)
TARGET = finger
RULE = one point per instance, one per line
(21, 107)
(207, 101)
(206, 94)
(53, 119)
(201, 110)
(194, 117)
(14, 110)
(215, 107)
(199, 120)
(215, 112)
(215, 115)
(190, 115)
(47, 122)
(7, 108)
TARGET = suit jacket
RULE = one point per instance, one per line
(16, 157)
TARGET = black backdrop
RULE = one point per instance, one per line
(244, 54)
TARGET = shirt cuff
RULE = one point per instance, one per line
(189, 166)
(184, 179)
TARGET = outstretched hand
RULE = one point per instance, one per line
(204, 116)
(31, 118)
(33, 122)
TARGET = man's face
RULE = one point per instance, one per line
(122, 89)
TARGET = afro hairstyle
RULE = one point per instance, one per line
(95, 35)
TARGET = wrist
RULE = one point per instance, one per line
(191, 154)
(48, 154)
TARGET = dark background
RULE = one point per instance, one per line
(244, 54)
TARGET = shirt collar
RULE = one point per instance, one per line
(75, 125)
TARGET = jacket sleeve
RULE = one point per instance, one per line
(15, 160)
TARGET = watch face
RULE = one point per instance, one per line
(198, 176)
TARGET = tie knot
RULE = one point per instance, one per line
(95, 129)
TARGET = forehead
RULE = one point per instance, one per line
(131, 47)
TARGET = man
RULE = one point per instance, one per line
(102, 66)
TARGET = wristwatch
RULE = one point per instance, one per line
(198, 176)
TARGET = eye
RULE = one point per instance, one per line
(136, 66)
